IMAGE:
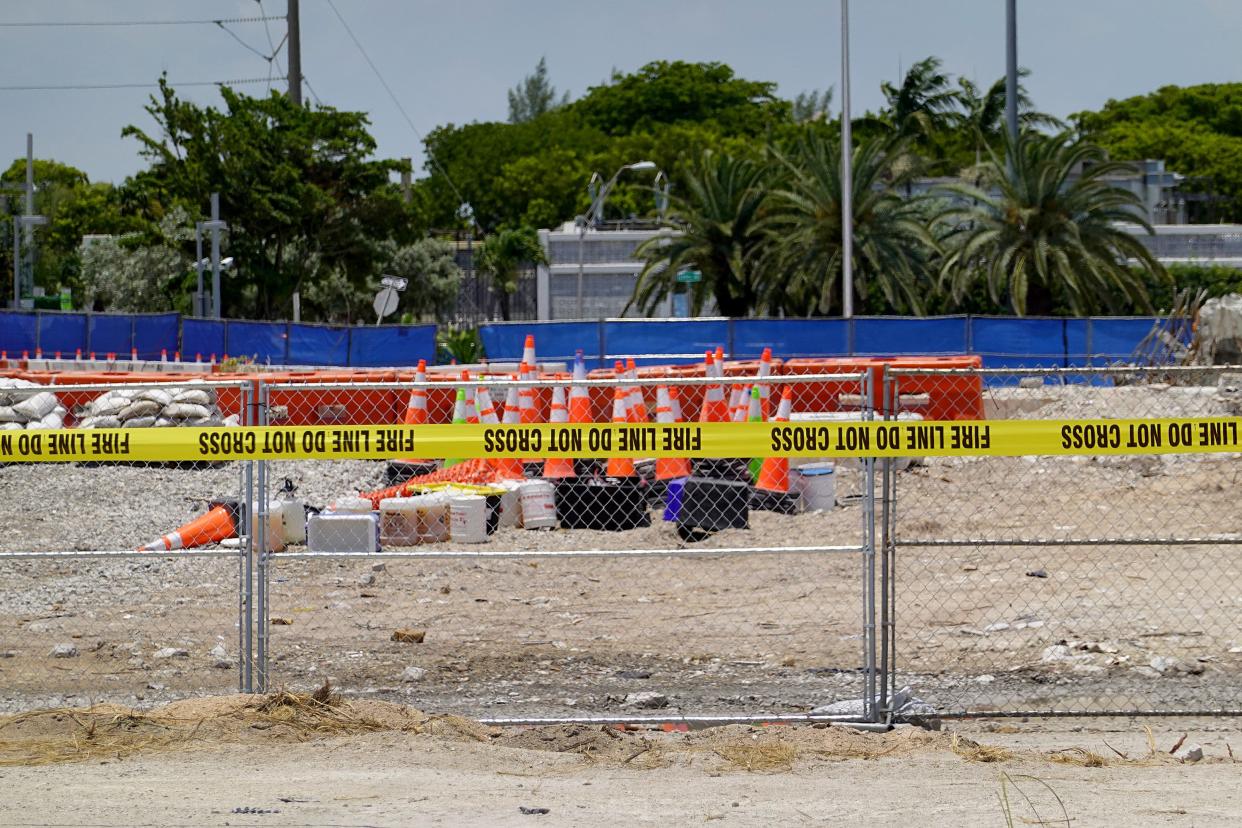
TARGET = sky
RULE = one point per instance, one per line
(453, 61)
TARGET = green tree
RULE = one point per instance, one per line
(1197, 130)
(666, 92)
(534, 96)
(924, 104)
(717, 217)
(983, 113)
(123, 273)
(812, 106)
(434, 278)
(502, 257)
(287, 175)
(892, 245)
(1050, 235)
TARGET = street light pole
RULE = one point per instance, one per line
(1011, 71)
(847, 172)
(594, 214)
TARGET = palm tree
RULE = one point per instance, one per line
(502, 256)
(719, 237)
(983, 113)
(892, 244)
(1050, 232)
(924, 103)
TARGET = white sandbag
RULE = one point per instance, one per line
(139, 422)
(185, 411)
(102, 421)
(141, 409)
(10, 426)
(164, 422)
(211, 421)
(114, 402)
(195, 396)
(232, 420)
(38, 406)
(53, 420)
(155, 395)
(8, 415)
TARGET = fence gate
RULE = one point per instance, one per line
(617, 615)
(87, 616)
(1062, 585)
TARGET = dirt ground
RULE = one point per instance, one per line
(994, 615)
(287, 760)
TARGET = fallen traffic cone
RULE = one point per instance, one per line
(580, 395)
(459, 417)
(509, 468)
(218, 524)
(620, 466)
(559, 466)
(668, 468)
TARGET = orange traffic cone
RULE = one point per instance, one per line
(774, 473)
(737, 404)
(217, 525)
(715, 408)
(487, 408)
(472, 411)
(667, 468)
(526, 399)
(637, 407)
(510, 468)
(620, 466)
(528, 353)
(416, 407)
(559, 466)
(580, 395)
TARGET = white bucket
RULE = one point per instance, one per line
(538, 501)
(468, 518)
(817, 484)
(293, 520)
(399, 521)
(510, 505)
(351, 506)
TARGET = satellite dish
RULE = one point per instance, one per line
(385, 303)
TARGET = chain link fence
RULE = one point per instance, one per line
(121, 582)
(532, 588)
(1068, 584)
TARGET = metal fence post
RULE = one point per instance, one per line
(261, 506)
(868, 561)
(244, 575)
(886, 547)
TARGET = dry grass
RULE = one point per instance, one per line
(770, 755)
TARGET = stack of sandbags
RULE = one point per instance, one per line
(21, 409)
(155, 408)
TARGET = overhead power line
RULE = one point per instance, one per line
(395, 100)
(73, 86)
(47, 24)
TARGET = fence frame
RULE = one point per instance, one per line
(865, 549)
(890, 542)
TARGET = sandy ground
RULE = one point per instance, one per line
(371, 764)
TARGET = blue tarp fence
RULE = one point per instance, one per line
(1002, 341)
(274, 343)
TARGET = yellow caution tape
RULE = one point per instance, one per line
(1009, 438)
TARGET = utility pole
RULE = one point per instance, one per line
(295, 52)
(1011, 71)
(28, 237)
(847, 172)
